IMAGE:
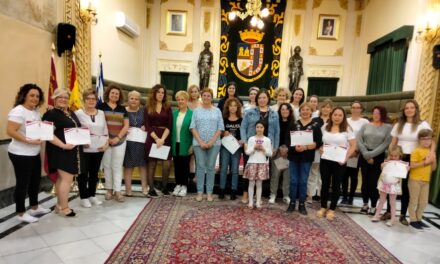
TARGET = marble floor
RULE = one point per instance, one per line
(91, 236)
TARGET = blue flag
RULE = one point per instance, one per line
(100, 84)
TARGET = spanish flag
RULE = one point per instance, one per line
(75, 98)
(53, 81)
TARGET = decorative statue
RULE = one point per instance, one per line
(205, 65)
(295, 68)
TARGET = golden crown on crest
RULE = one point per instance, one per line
(251, 36)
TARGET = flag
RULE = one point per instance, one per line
(75, 99)
(100, 84)
(52, 82)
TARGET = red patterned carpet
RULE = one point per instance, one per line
(182, 230)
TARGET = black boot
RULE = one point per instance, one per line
(291, 207)
(233, 195)
(302, 209)
(221, 195)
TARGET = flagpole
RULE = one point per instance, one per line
(99, 92)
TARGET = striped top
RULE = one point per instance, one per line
(115, 119)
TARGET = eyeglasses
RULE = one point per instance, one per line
(63, 97)
(91, 98)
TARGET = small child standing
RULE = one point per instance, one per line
(389, 185)
(422, 164)
(259, 148)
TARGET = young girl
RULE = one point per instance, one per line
(259, 148)
(390, 185)
(232, 120)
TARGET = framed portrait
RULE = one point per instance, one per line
(176, 22)
(328, 27)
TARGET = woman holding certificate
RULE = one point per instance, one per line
(372, 140)
(65, 158)
(135, 150)
(339, 144)
(93, 119)
(181, 143)
(158, 121)
(117, 124)
(404, 134)
(206, 127)
(304, 137)
(24, 152)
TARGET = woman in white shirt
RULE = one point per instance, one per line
(404, 134)
(338, 133)
(356, 122)
(93, 119)
(24, 153)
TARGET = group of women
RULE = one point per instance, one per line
(197, 127)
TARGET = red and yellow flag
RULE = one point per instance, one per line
(53, 81)
(75, 98)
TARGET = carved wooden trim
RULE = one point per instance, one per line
(339, 52)
(343, 4)
(312, 51)
(188, 47)
(163, 45)
(317, 3)
(299, 4)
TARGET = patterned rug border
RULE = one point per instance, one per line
(176, 201)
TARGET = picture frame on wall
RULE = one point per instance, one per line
(328, 27)
(176, 22)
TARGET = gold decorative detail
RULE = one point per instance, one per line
(148, 17)
(299, 4)
(360, 5)
(297, 25)
(358, 25)
(278, 19)
(317, 3)
(243, 78)
(224, 17)
(207, 3)
(191, 2)
(223, 64)
(207, 20)
(188, 47)
(312, 51)
(251, 36)
(163, 1)
(343, 4)
(221, 91)
(276, 47)
(163, 45)
(224, 46)
(150, 2)
(275, 68)
(339, 52)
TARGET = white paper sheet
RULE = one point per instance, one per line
(317, 156)
(281, 163)
(136, 134)
(301, 138)
(353, 162)
(97, 142)
(42, 130)
(395, 168)
(230, 143)
(334, 153)
(77, 136)
(159, 153)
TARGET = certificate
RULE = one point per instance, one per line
(77, 136)
(395, 168)
(230, 143)
(353, 162)
(136, 134)
(42, 130)
(97, 141)
(302, 137)
(281, 163)
(159, 153)
(334, 153)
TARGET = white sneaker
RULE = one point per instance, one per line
(27, 218)
(286, 199)
(85, 203)
(272, 198)
(39, 211)
(309, 200)
(94, 200)
(183, 191)
(177, 190)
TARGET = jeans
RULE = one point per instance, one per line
(233, 161)
(87, 181)
(331, 173)
(27, 175)
(112, 163)
(205, 163)
(299, 173)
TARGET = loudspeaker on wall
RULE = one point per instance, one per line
(66, 35)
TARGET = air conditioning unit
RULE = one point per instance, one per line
(126, 25)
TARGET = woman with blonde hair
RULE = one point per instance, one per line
(281, 95)
(194, 97)
(158, 121)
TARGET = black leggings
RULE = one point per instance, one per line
(404, 199)
(27, 176)
(331, 172)
(181, 167)
(370, 177)
(352, 174)
(87, 181)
